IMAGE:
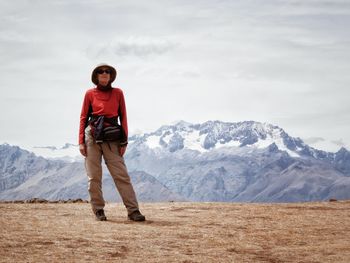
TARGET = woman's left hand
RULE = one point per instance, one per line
(122, 150)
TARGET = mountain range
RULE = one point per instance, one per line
(213, 161)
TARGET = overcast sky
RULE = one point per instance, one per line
(282, 62)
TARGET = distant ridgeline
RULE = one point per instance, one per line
(214, 161)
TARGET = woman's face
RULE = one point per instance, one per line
(103, 76)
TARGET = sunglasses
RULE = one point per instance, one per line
(101, 71)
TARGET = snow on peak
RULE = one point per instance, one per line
(275, 136)
(188, 138)
(216, 135)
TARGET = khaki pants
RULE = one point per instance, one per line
(116, 166)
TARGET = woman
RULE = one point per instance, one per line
(103, 100)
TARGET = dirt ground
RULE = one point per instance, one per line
(177, 232)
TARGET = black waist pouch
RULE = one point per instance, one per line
(114, 132)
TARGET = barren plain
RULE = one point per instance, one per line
(177, 232)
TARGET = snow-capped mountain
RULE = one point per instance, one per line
(239, 162)
(203, 138)
(213, 135)
(213, 161)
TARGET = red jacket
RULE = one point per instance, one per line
(104, 103)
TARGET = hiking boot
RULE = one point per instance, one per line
(100, 215)
(136, 216)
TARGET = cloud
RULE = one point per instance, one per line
(339, 142)
(313, 140)
(324, 144)
(278, 61)
(140, 47)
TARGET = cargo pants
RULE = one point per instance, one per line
(117, 168)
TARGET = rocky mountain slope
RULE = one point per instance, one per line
(24, 175)
(214, 161)
(247, 161)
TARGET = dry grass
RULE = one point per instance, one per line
(177, 232)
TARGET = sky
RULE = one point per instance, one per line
(284, 62)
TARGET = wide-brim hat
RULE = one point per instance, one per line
(113, 74)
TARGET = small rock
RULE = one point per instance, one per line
(36, 200)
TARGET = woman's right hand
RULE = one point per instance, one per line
(82, 149)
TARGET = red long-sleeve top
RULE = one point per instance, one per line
(104, 103)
